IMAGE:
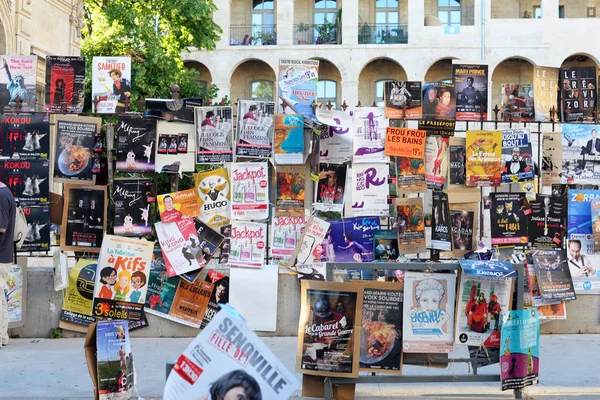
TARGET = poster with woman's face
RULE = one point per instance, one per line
(439, 101)
(84, 218)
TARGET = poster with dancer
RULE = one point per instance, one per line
(248, 244)
(546, 226)
(132, 198)
(578, 94)
(291, 191)
(136, 139)
(74, 149)
(471, 82)
(285, 233)
(436, 161)
(553, 272)
(581, 153)
(178, 205)
(400, 96)
(331, 187)
(27, 180)
(439, 101)
(214, 132)
(297, 86)
(214, 192)
(38, 229)
(484, 292)
(370, 190)
(410, 175)
(552, 156)
(288, 139)
(24, 137)
(336, 141)
(370, 126)
(410, 225)
(545, 89)
(441, 230)
(122, 277)
(65, 84)
(520, 349)
(517, 156)
(84, 218)
(350, 239)
(255, 126)
(18, 83)
(484, 158)
(250, 183)
(509, 217)
(517, 102)
(111, 84)
(428, 315)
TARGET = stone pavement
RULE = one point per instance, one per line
(56, 369)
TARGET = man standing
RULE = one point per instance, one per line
(7, 228)
(579, 265)
(592, 147)
(121, 88)
(469, 95)
(516, 165)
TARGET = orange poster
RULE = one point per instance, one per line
(403, 142)
(191, 301)
(176, 206)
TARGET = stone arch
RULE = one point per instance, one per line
(247, 71)
(509, 71)
(377, 70)
(204, 72)
(7, 41)
(439, 70)
(328, 71)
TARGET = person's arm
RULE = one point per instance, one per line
(4, 216)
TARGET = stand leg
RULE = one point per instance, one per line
(518, 394)
(328, 389)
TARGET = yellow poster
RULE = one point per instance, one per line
(178, 205)
(77, 303)
(484, 158)
(214, 191)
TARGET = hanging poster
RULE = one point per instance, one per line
(79, 296)
(370, 190)
(436, 161)
(517, 102)
(351, 239)
(18, 83)
(135, 146)
(370, 127)
(311, 272)
(439, 101)
(485, 290)
(464, 219)
(410, 175)
(328, 342)
(116, 374)
(310, 248)
(16, 296)
(410, 225)
(579, 219)
(65, 84)
(437, 128)
(178, 205)
(578, 94)
(441, 231)
(161, 289)
(401, 95)
(385, 246)
(84, 218)
(248, 244)
(74, 148)
(553, 275)
(288, 139)
(24, 137)
(111, 84)
(336, 142)
(250, 183)
(131, 198)
(331, 187)
(191, 301)
(546, 225)
(38, 229)
(545, 89)
(595, 213)
(520, 350)
(27, 180)
(552, 156)
(509, 218)
(122, 277)
(517, 161)
(218, 297)
(381, 328)
(297, 86)
(581, 153)
(402, 142)
(254, 129)
(291, 190)
(457, 170)
(428, 320)
(471, 82)
(484, 158)
(180, 137)
(585, 270)
(552, 312)
(214, 128)
(214, 191)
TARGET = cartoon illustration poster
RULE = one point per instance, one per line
(111, 84)
(248, 244)
(79, 295)
(132, 216)
(471, 82)
(214, 191)
(65, 84)
(581, 153)
(122, 277)
(579, 219)
(578, 94)
(74, 148)
(520, 350)
(18, 83)
(136, 139)
(484, 158)
(297, 85)
(288, 139)
(336, 141)
(331, 187)
(38, 229)
(428, 320)
(485, 291)
(84, 218)
(439, 101)
(285, 233)
(178, 205)
(545, 89)
(509, 218)
(410, 225)
(370, 126)
(370, 190)
(291, 195)
(115, 361)
(350, 239)
(552, 156)
(254, 129)
(401, 95)
(214, 130)
(24, 137)
(517, 102)
(436, 161)
(517, 161)
(250, 183)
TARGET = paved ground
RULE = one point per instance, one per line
(56, 369)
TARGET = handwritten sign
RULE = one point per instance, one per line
(403, 142)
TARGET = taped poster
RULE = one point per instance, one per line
(400, 96)
(111, 84)
(136, 139)
(370, 127)
(178, 205)
(214, 129)
(410, 225)
(402, 142)
(331, 187)
(248, 244)
(288, 139)
(291, 190)
(17, 99)
(336, 141)
(436, 161)
(471, 82)
(78, 300)
(517, 161)
(250, 183)
(285, 233)
(370, 190)
(255, 129)
(484, 158)
(132, 198)
(65, 84)
(297, 85)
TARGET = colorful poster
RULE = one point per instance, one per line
(545, 88)
(553, 274)
(402, 142)
(250, 183)
(111, 84)
(214, 191)
(428, 320)
(546, 225)
(552, 312)
(410, 225)
(441, 231)
(291, 190)
(285, 233)
(27, 180)
(191, 301)
(552, 156)
(485, 290)
(517, 102)
(135, 143)
(509, 218)
(578, 94)
(584, 269)
(464, 219)
(161, 289)
(385, 246)
(18, 84)
(311, 243)
(439, 101)
(336, 142)
(484, 158)
(436, 161)
(24, 137)
(595, 208)
(297, 85)
(410, 175)
(74, 149)
(520, 349)
(218, 296)
(350, 240)
(402, 99)
(471, 82)
(178, 205)
(581, 153)
(254, 129)
(437, 128)
(38, 229)
(16, 296)
(132, 198)
(116, 374)
(84, 218)
(331, 187)
(248, 244)
(369, 132)
(370, 190)
(579, 219)
(288, 139)
(214, 132)
(122, 277)
(65, 84)
(328, 343)
(79, 295)
(517, 161)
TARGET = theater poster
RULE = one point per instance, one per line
(24, 137)
(484, 158)
(76, 313)
(410, 225)
(291, 193)
(285, 233)
(517, 102)
(471, 82)
(132, 215)
(400, 96)
(111, 84)
(65, 84)
(336, 141)
(297, 87)
(370, 190)
(441, 229)
(517, 156)
(84, 218)
(370, 125)
(255, 126)
(331, 187)
(546, 226)
(509, 218)
(214, 191)
(410, 175)
(219, 295)
(552, 156)
(579, 220)
(350, 239)
(178, 205)
(520, 349)
(38, 229)
(214, 130)
(18, 83)
(581, 153)
(464, 219)
(578, 94)
(250, 183)
(288, 139)
(136, 139)
(248, 244)
(439, 101)
(27, 180)
(436, 161)
(545, 89)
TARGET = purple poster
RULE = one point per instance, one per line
(350, 240)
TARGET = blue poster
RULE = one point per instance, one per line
(581, 153)
(298, 87)
(520, 349)
(579, 220)
(288, 142)
(350, 240)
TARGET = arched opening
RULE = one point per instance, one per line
(440, 71)
(330, 83)
(204, 76)
(512, 89)
(373, 76)
(579, 85)
(253, 79)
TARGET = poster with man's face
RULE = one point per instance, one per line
(84, 218)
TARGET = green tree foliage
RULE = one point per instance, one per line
(153, 33)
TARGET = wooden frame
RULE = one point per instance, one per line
(65, 230)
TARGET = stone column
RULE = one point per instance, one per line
(416, 21)
(349, 93)
(224, 90)
(222, 17)
(23, 27)
(285, 22)
(349, 23)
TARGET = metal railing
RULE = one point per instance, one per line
(383, 34)
(317, 34)
(252, 35)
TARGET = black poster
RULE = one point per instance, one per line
(85, 223)
(457, 168)
(578, 94)
(27, 180)
(462, 229)
(441, 237)
(25, 137)
(132, 208)
(509, 218)
(75, 146)
(135, 147)
(546, 226)
(553, 275)
(65, 84)
(38, 229)
(445, 128)
(331, 186)
(219, 295)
